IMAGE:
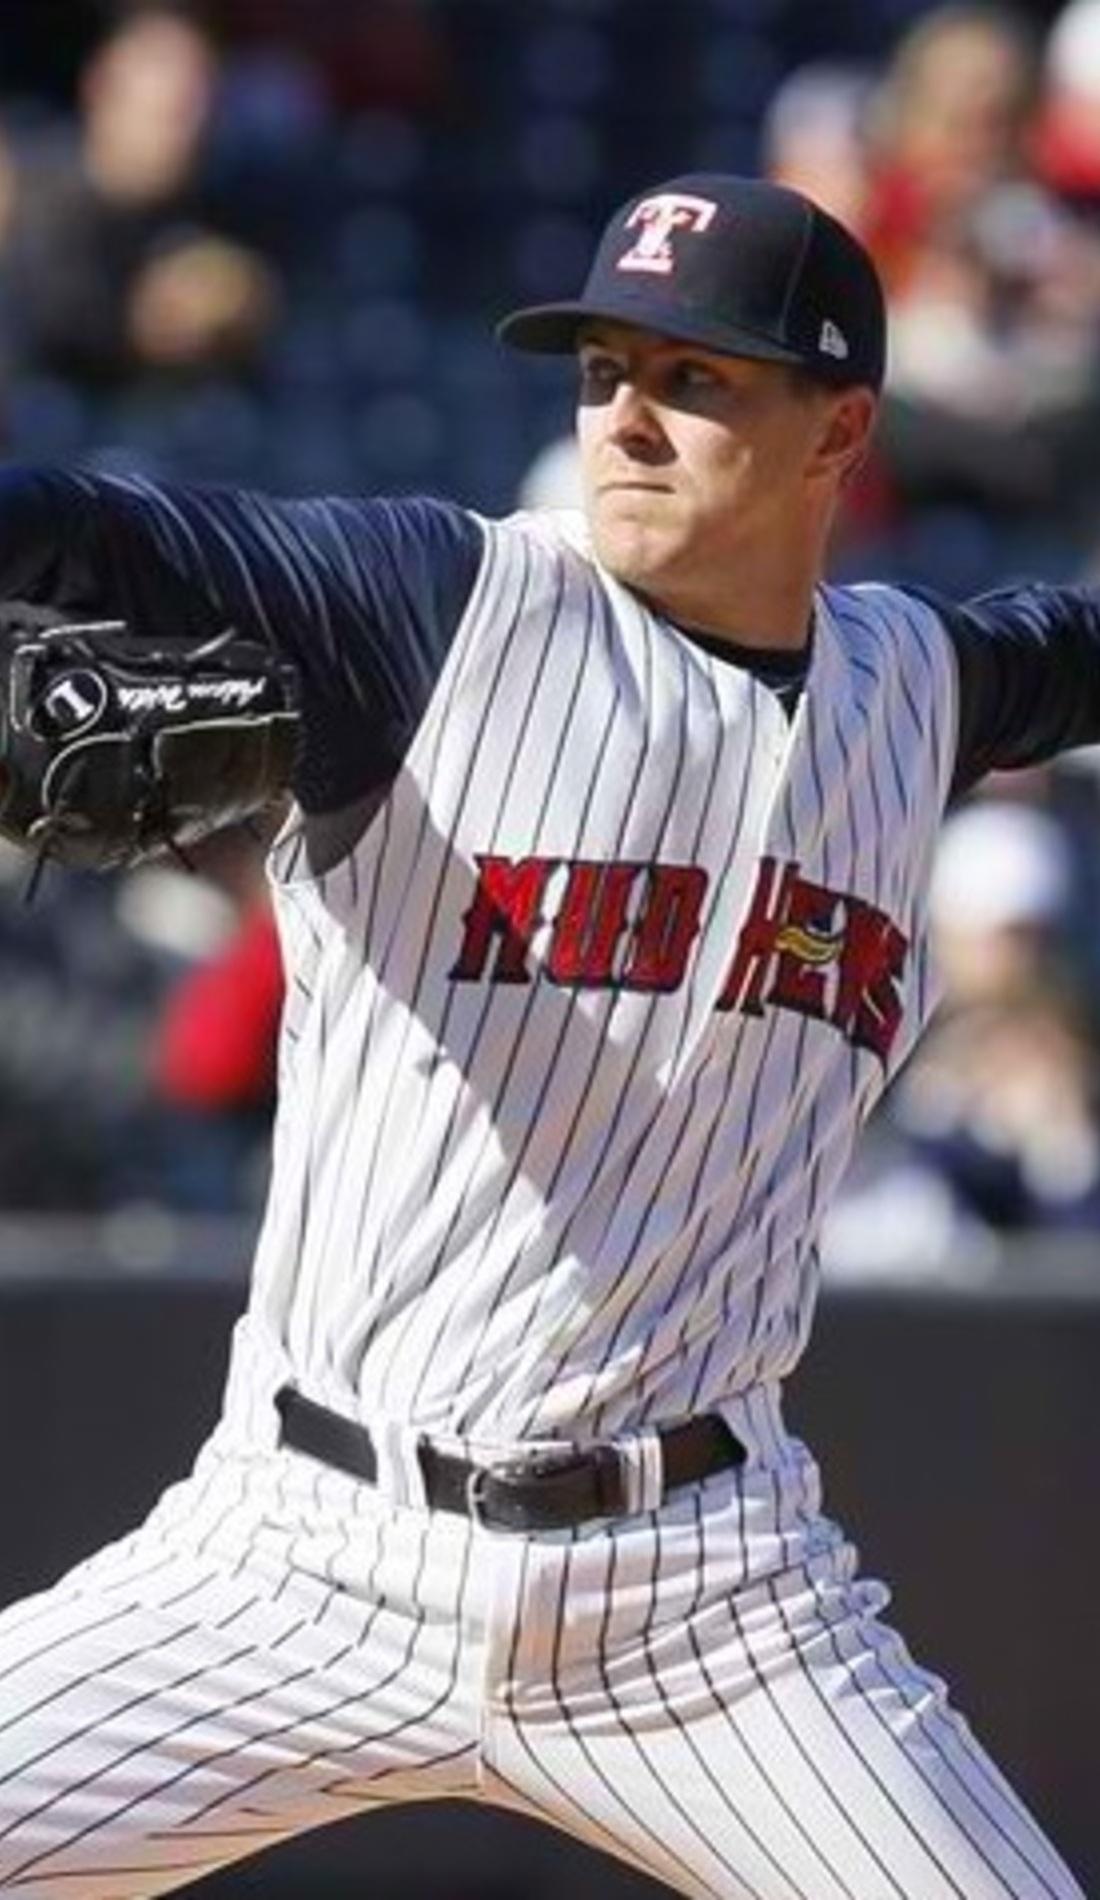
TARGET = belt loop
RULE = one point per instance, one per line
(643, 1471)
(400, 1474)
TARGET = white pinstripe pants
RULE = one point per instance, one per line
(708, 1694)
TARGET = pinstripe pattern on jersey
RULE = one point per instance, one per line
(283, 1279)
(502, 1291)
(325, 1154)
(528, 1209)
(535, 1208)
(441, 1098)
(793, 1090)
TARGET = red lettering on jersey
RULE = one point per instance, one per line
(801, 946)
(666, 928)
(756, 944)
(590, 922)
(506, 906)
(868, 1006)
(815, 943)
(805, 945)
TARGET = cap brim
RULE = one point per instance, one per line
(551, 329)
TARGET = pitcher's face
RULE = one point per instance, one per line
(690, 459)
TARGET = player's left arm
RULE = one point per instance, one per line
(361, 595)
(1029, 676)
(252, 643)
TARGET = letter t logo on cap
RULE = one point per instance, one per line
(658, 217)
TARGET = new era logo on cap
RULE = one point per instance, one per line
(738, 265)
(833, 341)
(659, 217)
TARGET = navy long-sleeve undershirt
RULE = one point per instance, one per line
(366, 595)
(1029, 676)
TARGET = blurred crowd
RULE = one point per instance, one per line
(970, 164)
(265, 243)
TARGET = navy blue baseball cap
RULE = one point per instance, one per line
(737, 265)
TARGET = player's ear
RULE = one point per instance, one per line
(846, 422)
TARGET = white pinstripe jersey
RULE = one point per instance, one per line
(579, 1035)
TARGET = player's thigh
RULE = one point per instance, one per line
(162, 1714)
(779, 1746)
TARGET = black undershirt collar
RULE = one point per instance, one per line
(782, 669)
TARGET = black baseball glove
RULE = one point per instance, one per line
(114, 746)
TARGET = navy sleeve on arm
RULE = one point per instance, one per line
(364, 596)
(1029, 676)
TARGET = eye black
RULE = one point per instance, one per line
(599, 377)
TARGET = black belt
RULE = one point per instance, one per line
(545, 1491)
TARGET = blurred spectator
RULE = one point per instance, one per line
(815, 138)
(106, 269)
(214, 1046)
(138, 1020)
(80, 985)
(1001, 901)
(1007, 1116)
(950, 122)
(1067, 136)
(993, 391)
(205, 304)
(998, 320)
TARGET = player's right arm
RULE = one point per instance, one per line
(363, 595)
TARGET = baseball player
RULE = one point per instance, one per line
(603, 909)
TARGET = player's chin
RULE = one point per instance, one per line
(634, 541)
